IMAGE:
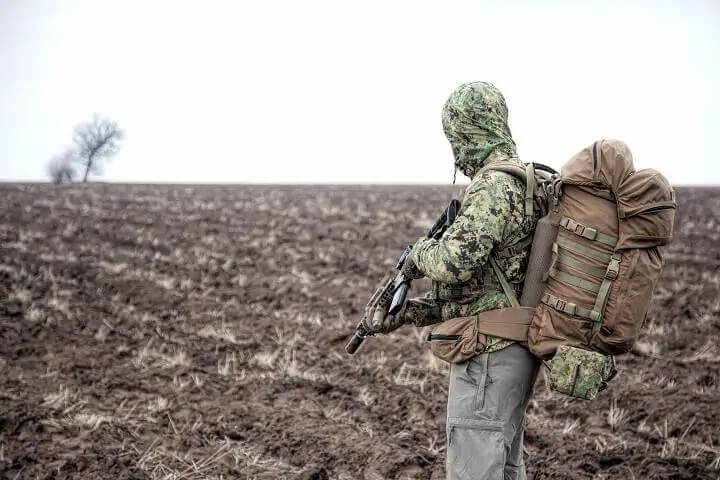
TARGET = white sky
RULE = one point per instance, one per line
(316, 91)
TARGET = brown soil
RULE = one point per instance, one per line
(172, 332)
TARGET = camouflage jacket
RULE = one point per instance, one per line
(492, 216)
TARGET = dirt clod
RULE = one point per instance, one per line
(197, 332)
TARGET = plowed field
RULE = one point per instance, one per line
(191, 332)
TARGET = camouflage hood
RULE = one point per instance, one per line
(475, 122)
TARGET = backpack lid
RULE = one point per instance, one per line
(604, 164)
(645, 199)
(643, 190)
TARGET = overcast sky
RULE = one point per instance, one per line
(315, 91)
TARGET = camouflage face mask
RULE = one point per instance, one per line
(475, 122)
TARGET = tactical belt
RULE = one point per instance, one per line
(508, 323)
(451, 293)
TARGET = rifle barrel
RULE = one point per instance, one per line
(357, 339)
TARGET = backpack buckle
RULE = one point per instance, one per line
(613, 267)
(589, 233)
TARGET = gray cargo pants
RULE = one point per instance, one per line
(487, 398)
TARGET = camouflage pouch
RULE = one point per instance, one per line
(580, 373)
(457, 340)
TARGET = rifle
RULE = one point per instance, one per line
(394, 290)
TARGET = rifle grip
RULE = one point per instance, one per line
(355, 342)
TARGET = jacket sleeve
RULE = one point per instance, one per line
(479, 226)
(422, 311)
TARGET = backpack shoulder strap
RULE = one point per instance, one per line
(526, 174)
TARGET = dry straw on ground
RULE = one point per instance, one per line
(178, 332)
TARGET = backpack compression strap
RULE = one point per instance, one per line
(602, 278)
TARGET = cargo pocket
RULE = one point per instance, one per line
(476, 449)
(468, 383)
(477, 371)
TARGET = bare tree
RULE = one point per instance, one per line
(60, 168)
(96, 141)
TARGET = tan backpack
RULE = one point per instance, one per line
(594, 261)
(605, 258)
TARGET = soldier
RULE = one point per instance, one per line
(489, 393)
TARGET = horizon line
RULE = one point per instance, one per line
(283, 184)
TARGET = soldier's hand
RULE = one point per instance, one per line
(410, 270)
(382, 322)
